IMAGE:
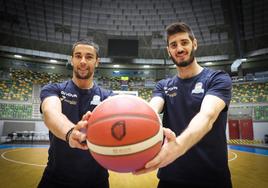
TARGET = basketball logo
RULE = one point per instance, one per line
(119, 130)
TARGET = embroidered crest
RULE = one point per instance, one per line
(198, 88)
(95, 100)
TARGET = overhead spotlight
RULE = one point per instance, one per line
(146, 66)
(208, 63)
(53, 61)
(17, 56)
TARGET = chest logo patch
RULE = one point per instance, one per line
(198, 88)
(68, 97)
(171, 91)
(95, 100)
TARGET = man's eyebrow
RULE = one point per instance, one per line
(173, 42)
(90, 54)
(182, 40)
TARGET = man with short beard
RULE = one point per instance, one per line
(66, 108)
(194, 104)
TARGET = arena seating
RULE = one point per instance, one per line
(149, 18)
(261, 113)
(19, 87)
(145, 93)
(15, 90)
(250, 93)
(15, 111)
(35, 77)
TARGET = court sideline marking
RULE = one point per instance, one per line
(234, 158)
(39, 165)
(18, 162)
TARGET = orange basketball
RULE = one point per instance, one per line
(124, 133)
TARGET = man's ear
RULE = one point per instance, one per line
(97, 62)
(195, 44)
(168, 52)
(69, 63)
(71, 60)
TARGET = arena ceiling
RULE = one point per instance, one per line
(231, 29)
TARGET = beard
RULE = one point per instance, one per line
(83, 77)
(186, 62)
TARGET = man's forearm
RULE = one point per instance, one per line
(199, 126)
(58, 124)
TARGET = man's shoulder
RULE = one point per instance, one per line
(218, 77)
(101, 90)
(216, 73)
(168, 80)
(55, 86)
(59, 84)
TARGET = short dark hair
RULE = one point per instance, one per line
(86, 42)
(179, 27)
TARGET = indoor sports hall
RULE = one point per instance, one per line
(36, 40)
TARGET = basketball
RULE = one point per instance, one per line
(124, 133)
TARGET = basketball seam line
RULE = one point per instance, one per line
(160, 141)
(125, 116)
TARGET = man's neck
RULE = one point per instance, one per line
(189, 71)
(83, 84)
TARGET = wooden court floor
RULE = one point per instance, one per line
(23, 167)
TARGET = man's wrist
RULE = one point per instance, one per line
(67, 136)
(180, 146)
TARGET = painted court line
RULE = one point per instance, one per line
(235, 156)
(18, 162)
(32, 164)
(15, 148)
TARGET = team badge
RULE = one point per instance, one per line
(95, 100)
(198, 88)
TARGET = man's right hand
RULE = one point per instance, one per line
(78, 136)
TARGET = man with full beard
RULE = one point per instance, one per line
(194, 104)
(66, 108)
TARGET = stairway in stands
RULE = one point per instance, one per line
(36, 102)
